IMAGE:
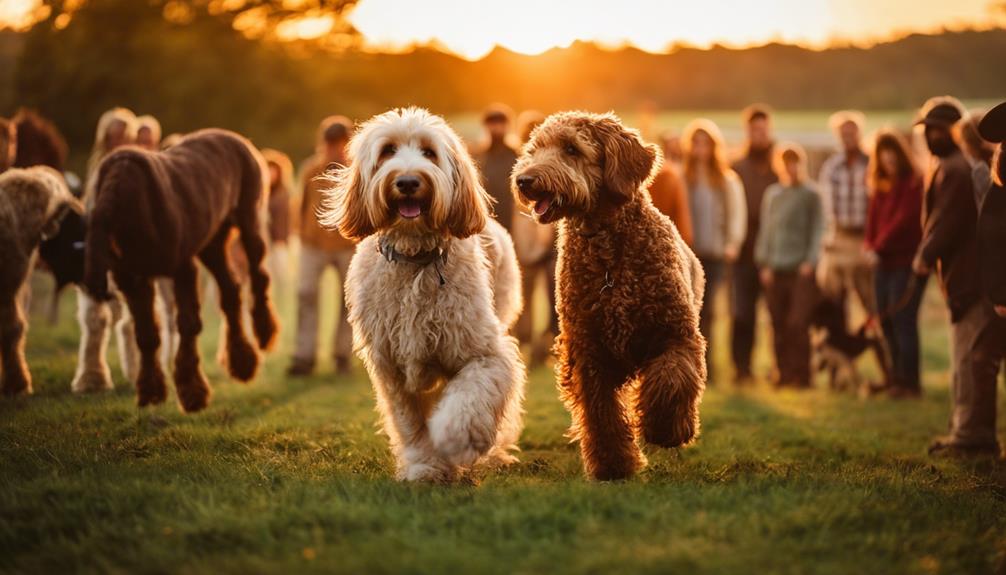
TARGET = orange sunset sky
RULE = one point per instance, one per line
(472, 28)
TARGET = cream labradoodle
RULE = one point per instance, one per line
(432, 291)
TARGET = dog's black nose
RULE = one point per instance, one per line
(407, 185)
(524, 183)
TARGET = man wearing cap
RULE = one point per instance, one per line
(319, 249)
(950, 248)
(496, 160)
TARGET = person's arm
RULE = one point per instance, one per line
(764, 238)
(737, 215)
(683, 214)
(952, 217)
(826, 193)
(816, 216)
(870, 235)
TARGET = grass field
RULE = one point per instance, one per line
(289, 476)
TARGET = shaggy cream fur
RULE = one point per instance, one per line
(33, 202)
(432, 291)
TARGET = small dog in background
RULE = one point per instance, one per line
(836, 349)
(631, 359)
(432, 291)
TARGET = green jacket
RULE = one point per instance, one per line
(792, 225)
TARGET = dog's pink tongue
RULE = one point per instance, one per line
(409, 208)
(542, 206)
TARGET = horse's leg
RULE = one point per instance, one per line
(139, 292)
(190, 382)
(263, 316)
(242, 359)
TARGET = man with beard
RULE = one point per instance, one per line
(950, 247)
(756, 173)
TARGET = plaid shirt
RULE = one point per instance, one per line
(843, 187)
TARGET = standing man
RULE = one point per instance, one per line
(319, 249)
(756, 173)
(950, 248)
(845, 266)
(496, 160)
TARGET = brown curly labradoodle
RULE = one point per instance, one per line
(630, 355)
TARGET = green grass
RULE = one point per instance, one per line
(289, 476)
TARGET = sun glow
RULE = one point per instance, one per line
(21, 14)
(305, 28)
(472, 29)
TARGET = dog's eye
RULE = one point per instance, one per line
(388, 150)
(571, 150)
(429, 154)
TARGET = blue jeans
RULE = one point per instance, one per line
(901, 330)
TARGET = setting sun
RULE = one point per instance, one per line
(473, 29)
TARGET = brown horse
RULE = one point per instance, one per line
(156, 212)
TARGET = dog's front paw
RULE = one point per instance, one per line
(460, 439)
(427, 472)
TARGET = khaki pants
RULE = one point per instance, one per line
(979, 346)
(844, 270)
(313, 263)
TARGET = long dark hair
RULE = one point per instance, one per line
(877, 177)
(39, 142)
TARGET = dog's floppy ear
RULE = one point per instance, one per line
(628, 161)
(468, 212)
(344, 207)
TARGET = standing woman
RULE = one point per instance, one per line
(116, 127)
(280, 182)
(718, 210)
(893, 234)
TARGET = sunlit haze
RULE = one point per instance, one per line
(473, 28)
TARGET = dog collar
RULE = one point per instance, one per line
(436, 256)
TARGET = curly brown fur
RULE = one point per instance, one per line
(33, 202)
(630, 355)
(154, 214)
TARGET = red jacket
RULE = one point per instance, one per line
(893, 228)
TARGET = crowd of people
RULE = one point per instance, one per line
(873, 225)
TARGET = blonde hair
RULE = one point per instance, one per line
(965, 133)
(105, 124)
(152, 124)
(717, 165)
(99, 151)
(790, 152)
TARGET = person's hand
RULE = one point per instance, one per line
(730, 254)
(920, 267)
(871, 257)
(766, 277)
(1001, 310)
(807, 270)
